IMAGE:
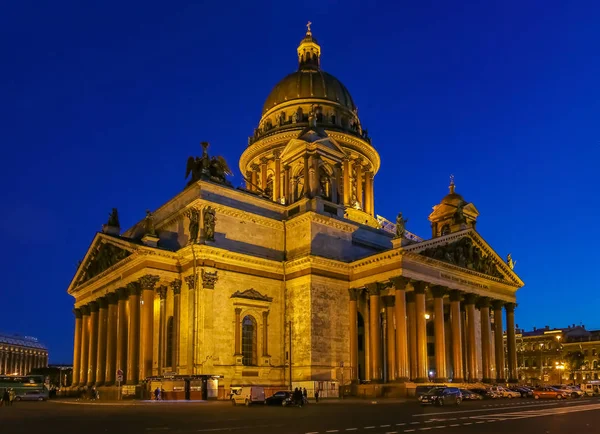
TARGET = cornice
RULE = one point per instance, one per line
(311, 216)
(212, 253)
(387, 256)
(311, 261)
(358, 145)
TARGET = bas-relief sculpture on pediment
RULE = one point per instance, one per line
(466, 254)
(251, 294)
(105, 256)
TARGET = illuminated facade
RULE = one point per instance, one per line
(19, 355)
(293, 278)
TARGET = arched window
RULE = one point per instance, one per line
(445, 230)
(249, 341)
(169, 349)
(595, 364)
(526, 363)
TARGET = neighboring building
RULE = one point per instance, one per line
(558, 355)
(293, 278)
(57, 375)
(20, 354)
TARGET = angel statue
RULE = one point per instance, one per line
(113, 219)
(400, 226)
(204, 167)
(510, 262)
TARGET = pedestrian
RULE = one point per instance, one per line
(11, 397)
(156, 394)
(304, 396)
(162, 394)
(316, 395)
(6, 397)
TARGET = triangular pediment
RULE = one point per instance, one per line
(467, 249)
(443, 210)
(312, 140)
(251, 294)
(104, 253)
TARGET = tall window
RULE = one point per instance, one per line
(169, 349)
(249, 341)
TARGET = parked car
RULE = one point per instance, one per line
(525, 392)
(591, 389)
(485, 393)
(424, 388)
(441, 396)
(247, 395)
(566, 390)
(548, 392)
(468, 395)
(504, 392)
(278, 398)
(31, 395)
(576, 392)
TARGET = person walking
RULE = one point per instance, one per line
(317, 395)
(11, 397)
(304, 396)
(156, 394)
(6, 397)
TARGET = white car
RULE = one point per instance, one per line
(505, 393)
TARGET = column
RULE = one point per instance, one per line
(411, 314)
(147, 283)
(133, 338)
(374, 290)
(306, 175)
(111, 340)
(76, 348)
(102, 332)
(277, 181)
(192, 338)
(122, 331)
(286, 185)
(457, 349)
(335, 184)
(254, 177)
(93, 344)
(486, 338)
(346, 186)
(315, 183)
(85, 342)
(402, 365)
(359, 185)
(248, 179)
(265, 316)
(176, 286)
(162, 342)
(238, 332)
(263, 173)
(353, 331)
(511, 342)
(470, 300)
(499, 340)
(368, 197)
(371, 192)
(441, 374)
(422, 374)
(388, 301)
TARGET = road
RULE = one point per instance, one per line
(355, 416)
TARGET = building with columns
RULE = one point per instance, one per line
(292, 278)
(20, 355)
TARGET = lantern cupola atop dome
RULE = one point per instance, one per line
(452, 214)
(309, 52)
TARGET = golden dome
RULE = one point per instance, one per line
(309, 83)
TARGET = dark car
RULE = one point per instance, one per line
(278, 398)
(441, 396)
(523, 391)
(469, 395)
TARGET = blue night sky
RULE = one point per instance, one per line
(102, 103)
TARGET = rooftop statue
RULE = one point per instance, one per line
(400, 226)
(510, 262)
(113, 219)
(208, 168)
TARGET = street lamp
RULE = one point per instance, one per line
(560, 368)
(427, 316)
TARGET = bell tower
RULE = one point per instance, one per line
(452, 214)
(309, 52)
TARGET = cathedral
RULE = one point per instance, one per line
(293, 279)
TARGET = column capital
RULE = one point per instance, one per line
(85, 310)
(389, 300)
(498, 304)
(176, 286)
(439, 291)
(134, 288)
(353, 293)
(470, 298)
(455, 295)
(399, 282)
(277, 154)
(123, 293)
(93, 306)
(264, 160)
(510, 307)
(191, 280)
(255, 167)
(375, 288)
(112, 298)
(103, 302)
(148, 281)
(238, 310)
(265, 314)
(419, 286)
(162, 292)
(483, 302)
(77, 313)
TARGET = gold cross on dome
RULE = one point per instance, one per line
(451, 179)
(308, 26)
